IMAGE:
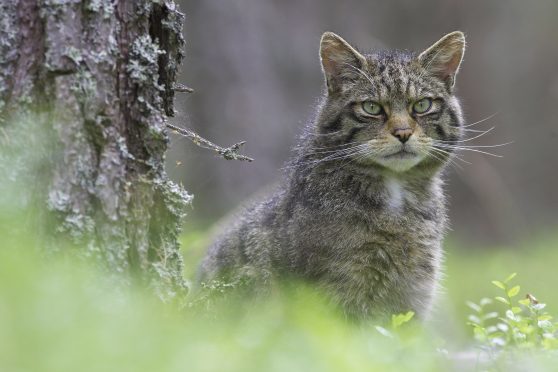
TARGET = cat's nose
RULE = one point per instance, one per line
(402, 134)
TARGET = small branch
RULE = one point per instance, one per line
(229, 153)
(182, 88)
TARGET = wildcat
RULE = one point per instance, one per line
(361, 212)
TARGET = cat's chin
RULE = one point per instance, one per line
(399, 162)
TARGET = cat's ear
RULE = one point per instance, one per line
(339, 60)
(444, 57)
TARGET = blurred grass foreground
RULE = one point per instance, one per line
(60, 314)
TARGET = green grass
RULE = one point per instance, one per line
(63, 316)
(60, 315)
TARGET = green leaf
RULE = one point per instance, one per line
(474, 306)
(485, 301)
(513, 317)
(499, 284)
(502, 300)
(544, 324)
(480, 333)
(516, 310)
(545, 317)
(519, 336)
(474, 319)
(491, 315)
(503, 327)
(510, 277)
(526, 329)
(514, 291)
(400, 319)
(498, 341)
(384, 331)
(525, 302)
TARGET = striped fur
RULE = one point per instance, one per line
(360, 214)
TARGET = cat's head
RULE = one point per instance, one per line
(391, 109)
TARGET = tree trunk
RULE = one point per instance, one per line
(97, 77)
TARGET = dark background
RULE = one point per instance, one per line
(255, 68)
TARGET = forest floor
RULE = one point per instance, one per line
(63, 316)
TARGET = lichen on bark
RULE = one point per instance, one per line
(96, 77)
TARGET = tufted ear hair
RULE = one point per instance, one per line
(444, 57)
(339, 60)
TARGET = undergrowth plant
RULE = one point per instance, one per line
(397, 321)
(511, 321)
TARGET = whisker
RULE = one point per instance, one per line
(471, 149)
(368, 152)
(472, 130)
(333, 157)
(480, 121)
(450, 158)
(341, 150)
(358, 156)
(478, 135)
(439, 158)
(478, 146)
(324, 134)
(340, 154)
(364, 151)
(334, 147)
(469, 139)
(449, 154)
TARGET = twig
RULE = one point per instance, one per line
(229, 153)
(182, 88)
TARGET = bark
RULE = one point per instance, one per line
(97, 77)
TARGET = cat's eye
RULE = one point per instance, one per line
(372, 108)
(422, 106)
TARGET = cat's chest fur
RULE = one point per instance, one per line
(373, 245)
(396, 196)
